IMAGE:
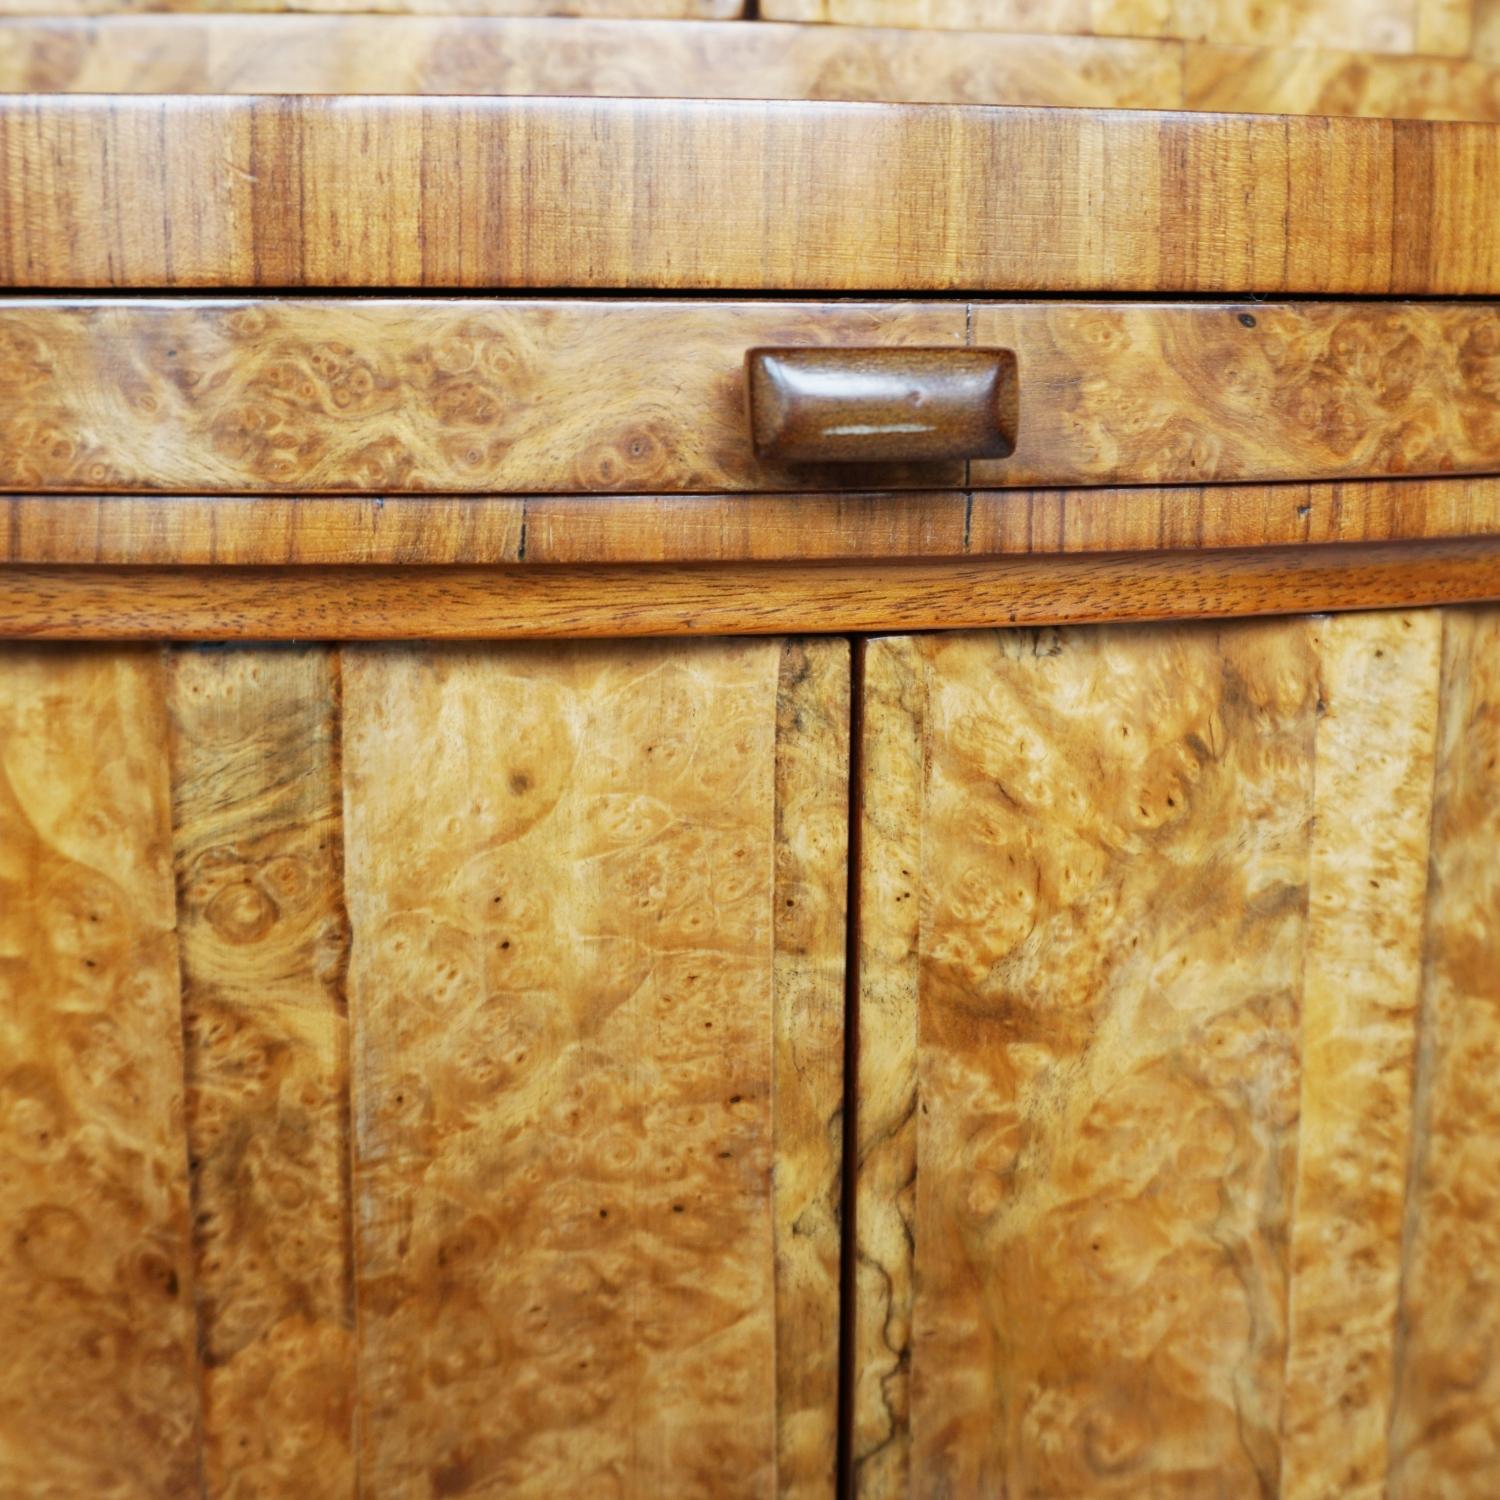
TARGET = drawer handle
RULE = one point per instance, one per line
(889, 405)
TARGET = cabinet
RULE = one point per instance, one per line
(543, 950)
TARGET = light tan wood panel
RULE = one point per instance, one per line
(1160, 394)
(1184, 1078)
(1445, 1441)
(172, 192)
(1487, 31)
(586, 1022)
(391, 395)
(308, 530)
(676, 9)
(480, 603)
(239, 54)
(257, 818)
(1431, 26)
(638, 59)
(98, 1379)
(1311, 81)
(1371, 778)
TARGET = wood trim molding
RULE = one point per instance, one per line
(156, 191)
(543, 530)
(386, 603)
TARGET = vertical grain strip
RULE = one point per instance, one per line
(1373, 771)
(560, 875)
(258, 849)
(887, 883)
(98, 1378)
(1114, 887)
(807, 1103)
(1445, 1433)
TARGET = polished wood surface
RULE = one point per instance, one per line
(1169, 1043)
(1405, 26)
(881, 405)
(302, 530)
(439, 394)
(263, 949)
(391, 395)
(676, 9)
(1448, 1383)
(351, 54)
(99, 1391)
(212, 54)
(151, 192)
(478, 603)
(488, 1060)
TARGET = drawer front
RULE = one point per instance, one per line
(387, 396)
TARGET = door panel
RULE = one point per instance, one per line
(480, 1173)
(1162, 1021)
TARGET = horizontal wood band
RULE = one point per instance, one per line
(303, 191)
(448, 54)
(521, 395)
(439, 530)
(62, 603)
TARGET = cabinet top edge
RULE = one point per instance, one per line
(164, 192)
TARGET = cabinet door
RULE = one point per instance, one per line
(1177, 1132)
(421, 1069)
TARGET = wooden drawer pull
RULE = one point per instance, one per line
(888, 405)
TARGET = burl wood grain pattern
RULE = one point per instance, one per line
(883, 1086)
(1124, 392)
(257, 818)
(562, 866)
(1404, 26)
(1314, 81)
(98, 1379)
(675, 9)
(1372, 781)
(1190, 1062)
(300, 530)
(493, 603)
(389, 54)
(1444, 1441)
(175, 192)
(205, 54)
(393, 395)
(809, 929)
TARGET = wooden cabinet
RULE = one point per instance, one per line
(545, 950)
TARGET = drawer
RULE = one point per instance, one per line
(536, 395)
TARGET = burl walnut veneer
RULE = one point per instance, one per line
(999, 1000)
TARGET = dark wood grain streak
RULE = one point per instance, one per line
(144, 191)
(257, 836)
